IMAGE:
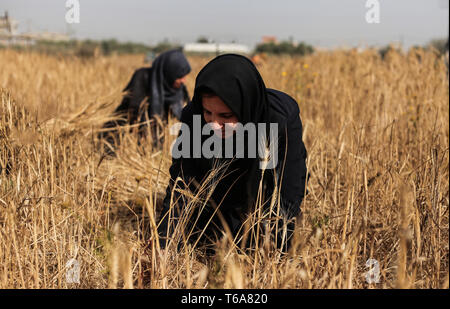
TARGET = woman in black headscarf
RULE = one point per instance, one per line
(228, 90)
(153, 92)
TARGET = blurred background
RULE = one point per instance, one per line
(243, 26)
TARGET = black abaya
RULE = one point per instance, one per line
(237, 82)
(153, 87)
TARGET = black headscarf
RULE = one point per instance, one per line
(237, 82)
(166, 68)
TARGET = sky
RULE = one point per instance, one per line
(322, 23)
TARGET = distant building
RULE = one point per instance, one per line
(216, 48)
(269, 39)
(8, 28)
(46, 36)
(9, 35)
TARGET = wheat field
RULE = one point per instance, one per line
(377, 135)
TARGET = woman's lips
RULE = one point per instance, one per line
(220, 132)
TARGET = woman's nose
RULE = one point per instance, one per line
(215, 125)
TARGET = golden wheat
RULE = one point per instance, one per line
(377, 135)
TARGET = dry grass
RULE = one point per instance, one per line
(377, 135)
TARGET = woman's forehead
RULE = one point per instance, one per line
(215, 104)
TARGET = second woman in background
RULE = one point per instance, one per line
(152, 93)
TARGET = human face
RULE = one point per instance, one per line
(219, 116)
(179, 82)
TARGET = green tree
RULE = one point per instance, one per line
(285, 47)
(202, 39)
